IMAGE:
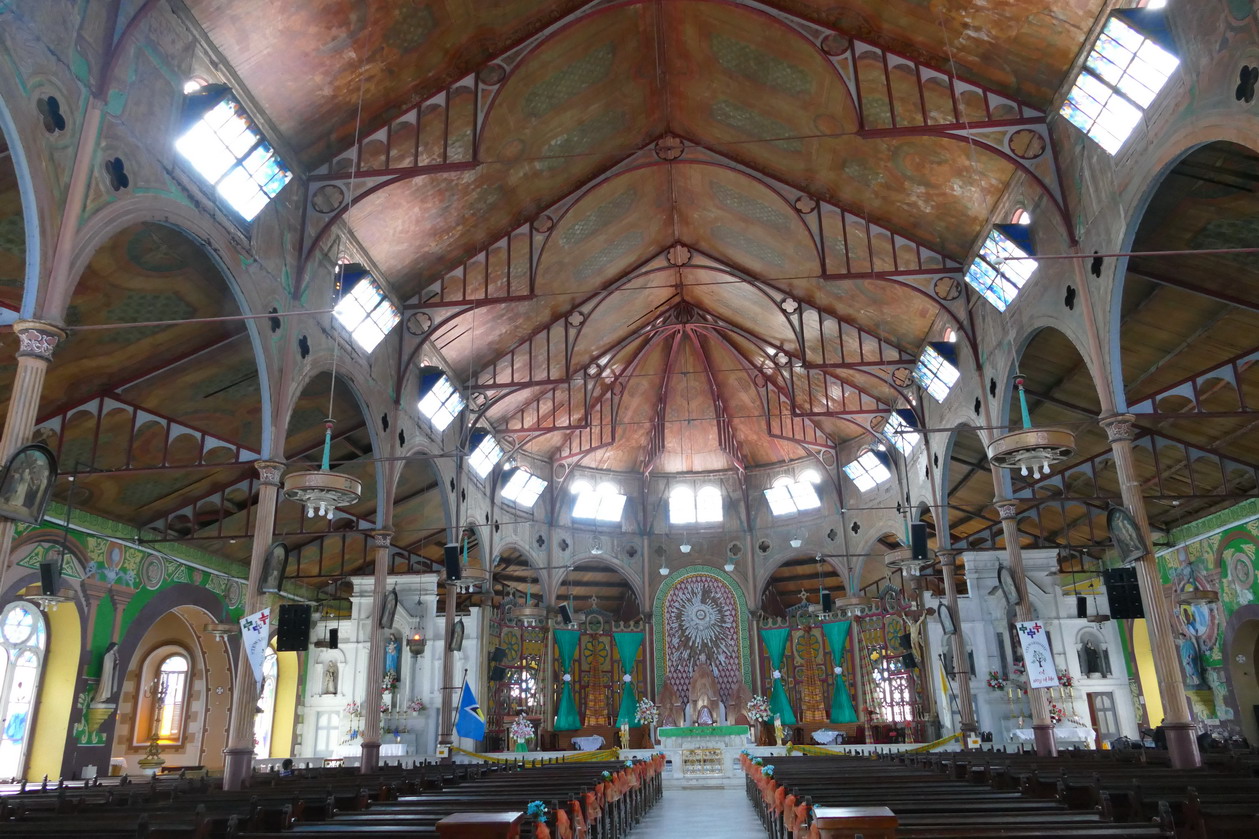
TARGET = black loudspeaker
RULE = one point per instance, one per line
(49, 576)
(918, 540)
(827, 602)
(497, 673)
(293, 628)
(498, 655)
(1123, 593)
(906, 642)
(334, 635)
(1081, 607)
(566, 615)
(909, 662)
(454, 571)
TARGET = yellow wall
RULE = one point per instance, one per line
(56, 700)
(1145, 668)
(282, 725)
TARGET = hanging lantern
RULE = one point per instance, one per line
(322, 490)
(1031, 450)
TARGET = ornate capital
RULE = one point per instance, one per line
(37, 339)
(948, 559)
(269, 471)
(382, 538)
(1006, 508)
(1119, 427)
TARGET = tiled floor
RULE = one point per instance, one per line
(701, 814)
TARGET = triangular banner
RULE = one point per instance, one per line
(255, 631)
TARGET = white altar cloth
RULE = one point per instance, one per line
(589, 744)
(827, 737)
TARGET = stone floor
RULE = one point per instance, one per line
(701, 814)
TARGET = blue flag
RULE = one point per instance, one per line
(470, 722)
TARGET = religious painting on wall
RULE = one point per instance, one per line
(26, 485)
(701, 624)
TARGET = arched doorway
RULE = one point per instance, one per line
(23, 640)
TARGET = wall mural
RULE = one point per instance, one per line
(701, 616)
(1222, 561)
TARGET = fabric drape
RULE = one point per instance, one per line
(776, 645)
(836, 634)
(566, 718)
(627, 646)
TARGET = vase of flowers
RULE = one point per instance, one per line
(521, 731)
(416, 706)
(1056, 714)
(995, 681)
(648, 713)
(758, 712)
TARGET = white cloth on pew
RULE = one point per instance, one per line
(588, 744)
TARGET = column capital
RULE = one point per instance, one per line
(382, 538)
(1007, 508)
(269, 471)
(37, 339)
(948, 558)
(1119, 427)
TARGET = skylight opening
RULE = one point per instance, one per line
(1122, 75)
(867, 471)
(899, 433)
(788, 496)
(366, 313)
(485, 456)
(441, 404)
(603, 503)
(226, 149)
(523, 488)
(1000, 270)
(689, 507)
(934, 374)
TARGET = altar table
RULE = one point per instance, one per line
(704, 731)
(588, 744)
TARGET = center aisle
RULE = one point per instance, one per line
(701, 814)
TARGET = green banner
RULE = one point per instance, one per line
(776, 644)
(627, 646)
(705, 731)
(841, 702)
(566, 718)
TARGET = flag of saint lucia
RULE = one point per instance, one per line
(471, 721)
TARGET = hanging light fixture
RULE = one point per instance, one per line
(1033, 450)
(322, 490)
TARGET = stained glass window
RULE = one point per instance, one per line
(900, 434)
(485, 456)
(523, 488)
(441, 404)
(934, 374)
(867, 471)
(1000, 270)
(367, 313)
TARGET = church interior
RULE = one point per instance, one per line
(742, 418)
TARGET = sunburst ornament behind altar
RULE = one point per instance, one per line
(701, 618)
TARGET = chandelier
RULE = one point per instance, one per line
(853, 607)
(1031, 449)
(322, 490)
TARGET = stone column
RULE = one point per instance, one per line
(239, 754)
(370, 759)
(1181, 734)
(36, 342)
(965, 705)
(1042, 727)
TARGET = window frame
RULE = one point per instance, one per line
(928, 377)
(904, 438)
(146, 717)
(1092, 81)
(195, 155)
(998, 272)
(863, 470)
(693, 500)
(341, 311)
(793, 489)
(476, 454)
(607, 492)
(527, 482)
(443, 404)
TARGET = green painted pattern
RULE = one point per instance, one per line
(753, 247)
(758, 66)
(561, 86)
(752, 124)
(750, 208)
(619, 248)
(600, 217)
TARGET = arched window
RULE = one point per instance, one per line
(681, 505)
(265, 717)
(163, 688)
(708, 505)
(787, 495)
(23, 640)
(602, 503)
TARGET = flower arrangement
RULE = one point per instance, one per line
(390, 682)
(416, 706)
(758, 761)
(1056, 714)
(521, 729)
(1066, 680)
(647, 712)
(536, 811)
(629, 763)
(995, 681)
(606, 775)
(385, 707)
(352, 709)
(768, 771)
(758, 709)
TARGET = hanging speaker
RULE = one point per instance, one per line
(566, 614)
(293, 628)
(49, 577)
(453, 569)
(1081, 607)
(334, 636)
(1123, 593)
(497, 673)
(909, 662)
(918, 540)
(827, 601)
(498, 656)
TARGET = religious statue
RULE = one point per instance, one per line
(108, 684)
(330, 679)
(705, 704)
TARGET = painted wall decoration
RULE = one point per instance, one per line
(700, 616)
(1217, 554)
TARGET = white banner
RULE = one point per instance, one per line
(1041, 671)
(255, 631)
